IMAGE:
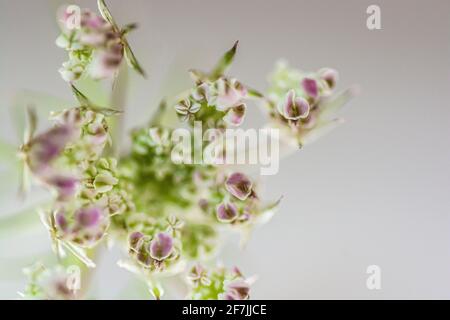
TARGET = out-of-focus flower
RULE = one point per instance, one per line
(220, 284)
(157, 247)
(227, 93)
(304, 104)
(330, 76)
(84, 226)
(198, 276)
(214, 101)
(202, 92)
(44, 149)
(310, 87)
(66, 185)
(235, 115)
(219, 100)
(171, 214)
(96, 46)
(236, 290)
(50, 284)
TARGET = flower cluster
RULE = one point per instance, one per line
(305, 103)
(67, 159)
(218, 284)
(233, 200)
(58, 156)
(95, 44)
(218, 103)
(155, 246)
(216, 100)
(166, 215)
(94, 47)
(49, 284)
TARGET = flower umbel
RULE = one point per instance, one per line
(169, 218)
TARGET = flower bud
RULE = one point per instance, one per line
(66, 186)
(61, 221)
(187, 108)
(104, 182)
(311, 88)
(105, 63)
(330, 76)
(198, 275)
(48, 146)
(235, 115)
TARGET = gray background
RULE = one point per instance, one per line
(375, 191)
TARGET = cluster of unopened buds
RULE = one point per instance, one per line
(167, 216)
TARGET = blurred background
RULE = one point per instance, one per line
(374, 191)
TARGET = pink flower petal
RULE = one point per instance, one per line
(239, 185)
(310, 87)
(161, 246)
(226, 212)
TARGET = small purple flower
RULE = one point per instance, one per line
(239, 185)
(61, 221)
(48, 146)
(229, 93)
(237, 271)
(196, 272)
(105, 63)
(135, 240)
(144, 258)
(66, 186)
(198, 275)
(293, 108)
(330, 76)
(201, 92)
(88, 217)
(311, 88)
(186, 108)
(203, 204)
(235, 115)
(226, 212)
(237, 290)
(310, 121)
(161, 246)
(91, 20)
